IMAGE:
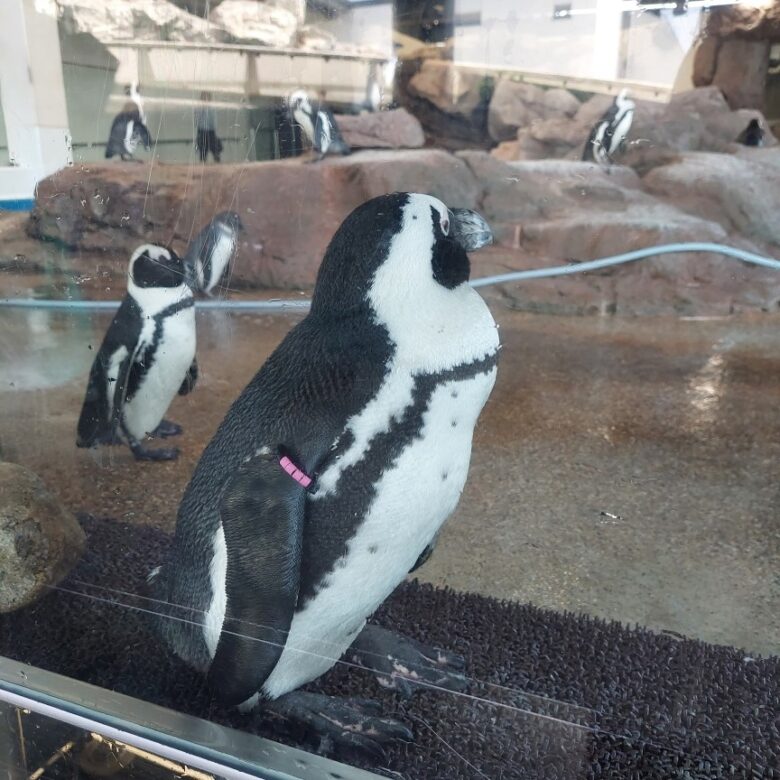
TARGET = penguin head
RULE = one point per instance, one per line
(401, 250)
(299, 101)
(154, 266)
(622, 99)
(231, 220)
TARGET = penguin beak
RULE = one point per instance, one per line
(469, 229)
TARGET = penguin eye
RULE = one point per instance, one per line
(445, 225)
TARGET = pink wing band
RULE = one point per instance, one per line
(294, 471)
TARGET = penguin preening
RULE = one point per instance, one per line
(211, 251)
(332, 473)
(752, 135)
(127, 131)
(318, 125)
(609, 134)
(147, 356)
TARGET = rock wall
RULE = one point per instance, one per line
(545, 212)
(734, 54)
(698, 120)
(396, 129)
(452, 106)
(277, 23)
(462, 110)
(291, 208)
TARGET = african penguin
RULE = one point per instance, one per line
(752, 135)
(609, 134)
(318, 125)
(127, 131)
(210, 253)
(147, 356)
(333, 471)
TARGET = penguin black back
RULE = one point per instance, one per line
(752, 135)
(355, 252)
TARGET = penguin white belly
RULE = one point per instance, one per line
(599, 151)
(130, 139)
(621, 132)
(413, 498)
(162, 379)
(220, 257)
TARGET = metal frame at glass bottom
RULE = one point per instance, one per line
(182, 738)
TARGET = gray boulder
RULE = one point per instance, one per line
(516, 106)
(452, 91)
(40, 540)
(513, 104)
(739, 190)
(396, 129)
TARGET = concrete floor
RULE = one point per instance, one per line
(623, 468)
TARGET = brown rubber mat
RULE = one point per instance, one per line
(553, 696)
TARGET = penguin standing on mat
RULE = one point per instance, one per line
(147, 356)
(609, 134)
(318, 125)
(332, 473)
(209, 255)
(127, 131)
(752, 135)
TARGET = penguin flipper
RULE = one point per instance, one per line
(262, 518)
(93, 425)
(189, 378)
(199, 251)
(143, 133)
(97, 424)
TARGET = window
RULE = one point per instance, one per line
(389, 389)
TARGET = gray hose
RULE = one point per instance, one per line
(279, 305)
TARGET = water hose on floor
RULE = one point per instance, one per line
(289, 304)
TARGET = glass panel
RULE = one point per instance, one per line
(603, 598)
(3, 138)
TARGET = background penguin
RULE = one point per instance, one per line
(133, 92)
(609, 134)
(209, 255)
(127, 131)
(374, 88)
(332, 473)
(147, 356)
(752, 135)
(318, 125)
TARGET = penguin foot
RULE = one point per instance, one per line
(109, 439)
(405, 665)
(166, 429)
(142, 453)
(340, 724)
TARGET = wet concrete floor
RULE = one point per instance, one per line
(623, 468)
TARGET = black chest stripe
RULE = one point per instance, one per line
(326, 542)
